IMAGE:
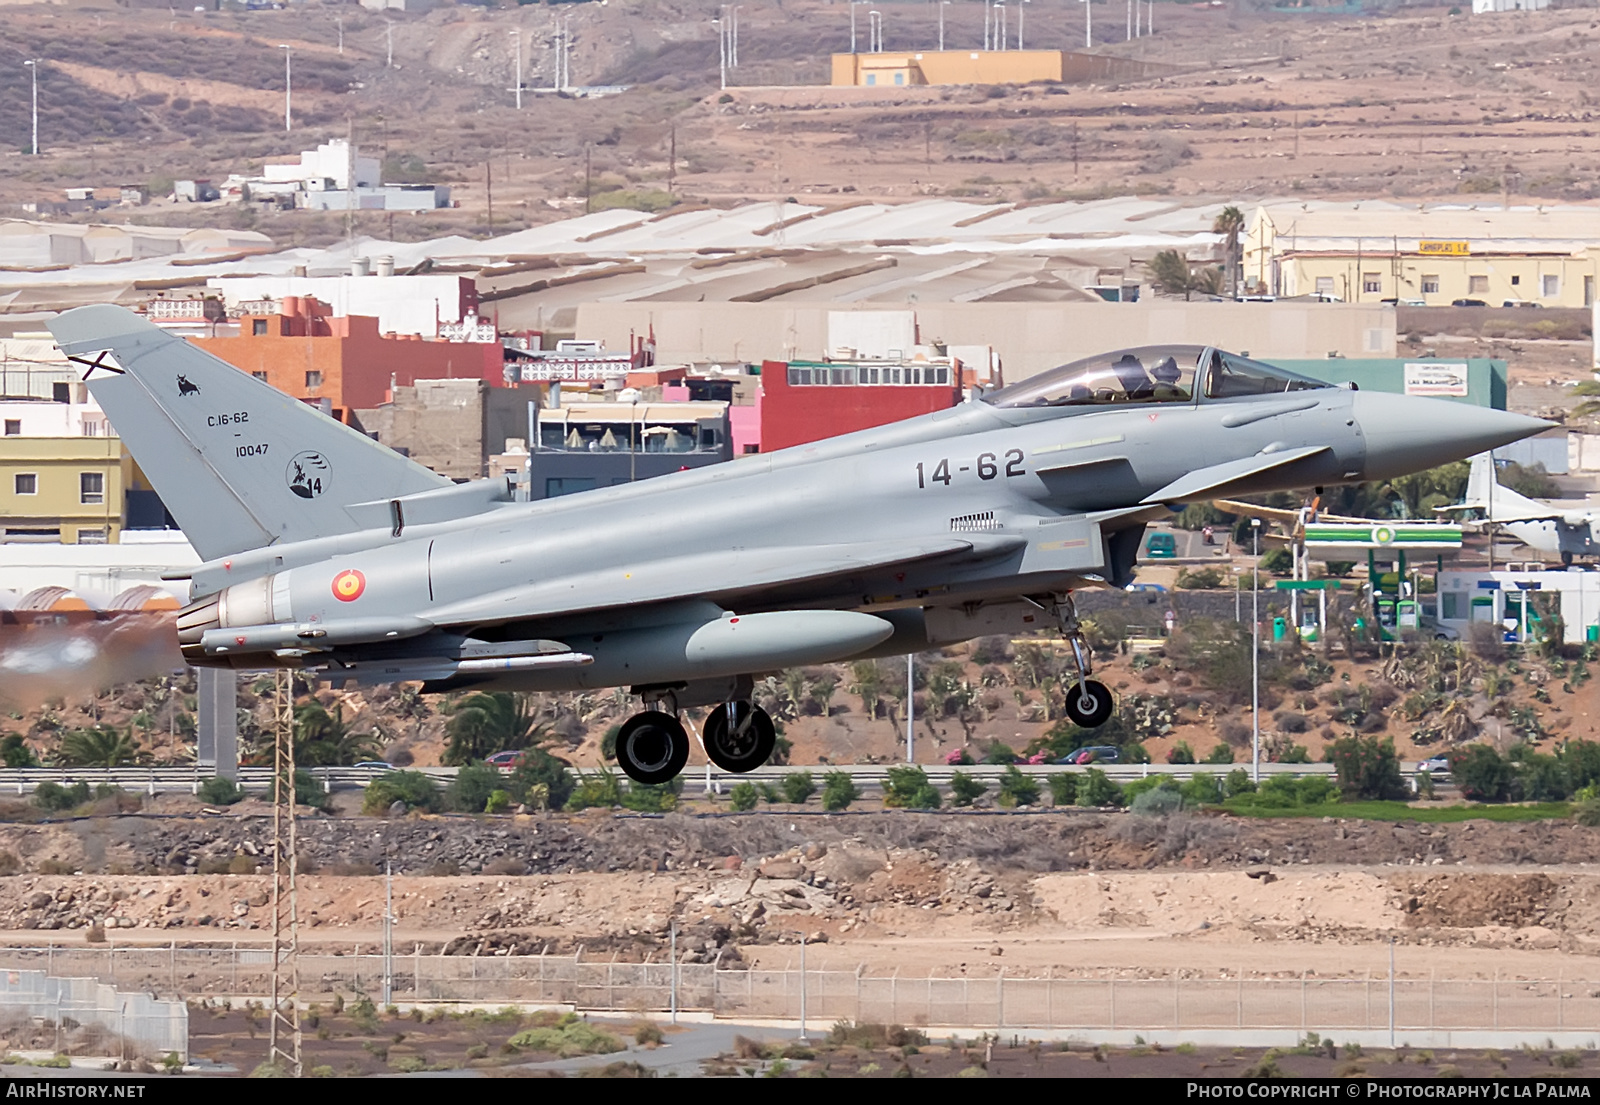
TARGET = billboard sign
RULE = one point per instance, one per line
(1436, 378)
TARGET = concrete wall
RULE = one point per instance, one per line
(988, 67)
(1029, 337)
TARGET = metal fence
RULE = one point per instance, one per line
(999, 1000)
(95, 1018)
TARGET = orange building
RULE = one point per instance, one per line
(308, 352)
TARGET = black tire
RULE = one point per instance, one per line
(1089, 704)
(739, 752)
(652, 747)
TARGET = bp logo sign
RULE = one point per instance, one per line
(1382, 535)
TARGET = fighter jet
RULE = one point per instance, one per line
(1568, 530)
(330, 553)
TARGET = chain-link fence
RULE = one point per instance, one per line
(87, 1016)
(999, 999)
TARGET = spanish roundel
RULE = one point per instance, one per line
(348, 585)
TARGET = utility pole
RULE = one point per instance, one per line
(853, 25)
(288, 121)
(587, 149)
(672, 158)
(1021, 11)
(488, 186)
(340, 21)
(388, 35)
(283, 1025)
(33, 64)
(734, 58)
(911, 708)
(722, 50)
(943, 4)
(516, 37)
(1088, 38)
(1255, 654)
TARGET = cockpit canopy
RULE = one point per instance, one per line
(1150, 374)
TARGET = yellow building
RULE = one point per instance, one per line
(885, 70)
(1373, 251)
(63, 489)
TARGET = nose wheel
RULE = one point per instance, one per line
(739, 737)
(1089, 704)
(652, 747)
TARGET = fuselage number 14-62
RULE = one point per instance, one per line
(988, 466)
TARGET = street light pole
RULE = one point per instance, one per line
(1021, 11)
(516, 36)
(943, 4)
(852, 26)
(1088, 38)
(33, 64)
(1255, 654)
(340, 21)
(388, 38)
(722, 50)
(734, 33)
(288, 120)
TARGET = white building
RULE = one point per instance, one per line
(31, 367)
(1481, 7)
(78, 416)
(329, 162)
(401, 304)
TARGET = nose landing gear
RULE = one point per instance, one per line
(1089, 704)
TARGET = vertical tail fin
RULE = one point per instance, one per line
(1480, 481)
(237, 462)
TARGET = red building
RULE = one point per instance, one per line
(804, 401)
(308, 352)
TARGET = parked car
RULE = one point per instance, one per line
(1468, 303)
(1156, 587)
(1438, 765)
(1093, 754)
(505, 761)
(378, 765)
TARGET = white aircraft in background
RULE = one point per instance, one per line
(1568, 529)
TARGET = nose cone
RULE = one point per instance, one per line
(1406, 433)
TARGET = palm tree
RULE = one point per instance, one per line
(101, 746)
(1171, 271)
(867, 682)
(1230, 223)
(322, 739)
(488, 722)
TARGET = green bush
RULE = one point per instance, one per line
(838, 791)
(908, 788)
(55, 797)
(219, 791)
(499, 802)
(1181, 753)
(413, 788)
(1281, 792)
(1221, 754)
(1158, 800)
(1017, 789)
(743, 797)
(569, 1037)
(1238, 782)
(1202, 789)
(1096, 788)
(14, 752)
(1368, 768)
(469, 791)
(1481, 773)
(538, 768)
(964, 788)
(652, 798)
(1064, 788)
(597, 789)
(1540, 778)
(309, 792)
(797, 787)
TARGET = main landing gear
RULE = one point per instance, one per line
(1089, 703)
(653, 746)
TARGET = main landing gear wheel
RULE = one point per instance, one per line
(1089, 704)
(652, 747)
(743, 745)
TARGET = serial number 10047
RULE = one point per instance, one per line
(988, 465)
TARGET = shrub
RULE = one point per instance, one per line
(469, 791)
(1158, 800)
(908, 788)
(838, 791)
(413, 788)
(538, 768)
(55, 797)
(964, 788)
(1221, 754)
(1199, 579)
(14, 752)
(1238, 782)
(1097, 789)
(797, 787)
(567, 1038)
(599, 788)
(652, 798)
(499, 802)
(1202, 789)
(1064, 788)
(1017, 789)
(1481, 773)
(1180, 753)
(743, 797)
(309, 792)
(1368, 768)
(219, 791)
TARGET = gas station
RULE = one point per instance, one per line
(1391, 549)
